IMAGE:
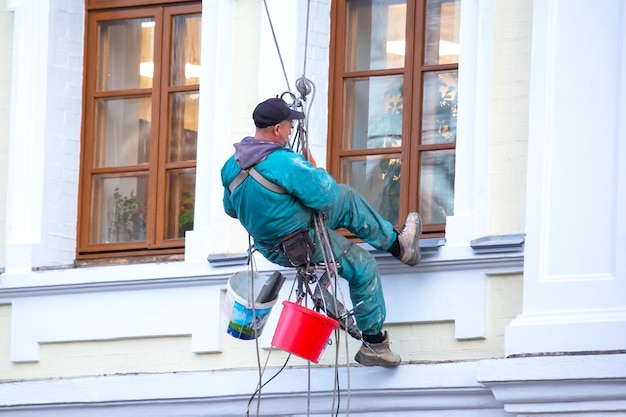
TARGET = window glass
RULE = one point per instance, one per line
(122, 134)
(377, 178)
(181, 196)
(185, 66)
(437, 186)
(125, 54)
(183, 126)
(125, 204)
(442, 32)
(376, 34)
(439, 110)
(373, 112)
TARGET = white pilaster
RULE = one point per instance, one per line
(213, 130)
(25, 188)
(471, 182)
(575, 268)
(44, 135)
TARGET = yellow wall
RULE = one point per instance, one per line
(509, 119)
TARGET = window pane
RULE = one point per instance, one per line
(439, 115)
(443, 18)
(122, 135)
(183, 126)
(119, 207)
(125, 54)
(377, 178)
(437, 186)
(181, 198)
(186, 50)
(373, 113)
(375, 35)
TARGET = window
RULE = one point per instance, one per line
(394, 72)
(140, 123)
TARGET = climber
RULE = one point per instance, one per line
(279, 202)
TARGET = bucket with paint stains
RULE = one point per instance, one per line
(250, 297)
(302, 331)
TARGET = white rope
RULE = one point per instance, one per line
(282, 64)
(251, 271)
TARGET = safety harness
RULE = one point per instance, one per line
(258, 177)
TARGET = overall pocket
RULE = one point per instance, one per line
(297, 247)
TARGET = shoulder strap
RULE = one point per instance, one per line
(236, 182)
(258, 177)
(265, 182)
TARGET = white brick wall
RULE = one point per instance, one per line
(45, 133)
(317, 63)
(62, 133)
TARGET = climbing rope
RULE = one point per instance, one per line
(300, 143)
(282, 64)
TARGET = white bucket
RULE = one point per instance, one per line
(245, 319)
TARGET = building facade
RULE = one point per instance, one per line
(518, 309)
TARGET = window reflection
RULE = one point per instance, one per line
(185, 65)
(377, 179)
(437, 186)
(373, 112)
(442, 32)
(439, 117)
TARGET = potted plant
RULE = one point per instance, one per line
(128, 217)
(185, 216)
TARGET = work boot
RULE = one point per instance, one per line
(377, 354)
(409, 238)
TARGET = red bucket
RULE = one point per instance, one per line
(302, 331)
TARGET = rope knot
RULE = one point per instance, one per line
(304, 86)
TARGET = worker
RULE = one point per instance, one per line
(277, 209)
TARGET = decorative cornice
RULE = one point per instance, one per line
(436, 257)
(503, 252)
(561, 384)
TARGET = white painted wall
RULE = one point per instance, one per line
(6, 38)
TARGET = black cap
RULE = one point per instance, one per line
(273, 111)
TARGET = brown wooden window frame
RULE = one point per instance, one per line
(414, 70)
(157, 237)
